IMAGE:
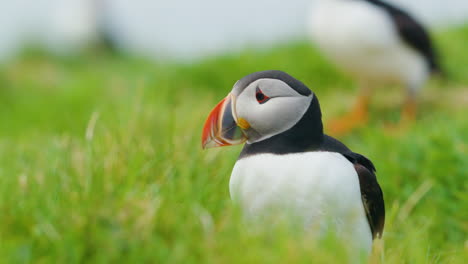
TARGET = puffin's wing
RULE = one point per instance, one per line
(372, 199)
(371, 194)
(413, 33)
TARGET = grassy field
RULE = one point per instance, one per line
(100, 161)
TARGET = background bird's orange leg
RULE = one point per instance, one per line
(356, 118)
(409, 110)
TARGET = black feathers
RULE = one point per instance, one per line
(371, 193)
(297, 85)
(412, 32)
(306, 134)
(372, 199)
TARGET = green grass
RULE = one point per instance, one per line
(100, 161)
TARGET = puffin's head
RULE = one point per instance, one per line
(260, 106)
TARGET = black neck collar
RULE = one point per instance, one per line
(305, 135)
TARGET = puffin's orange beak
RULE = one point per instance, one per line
(220, 127)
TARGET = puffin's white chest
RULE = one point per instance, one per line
(364, 42)
(321, 188)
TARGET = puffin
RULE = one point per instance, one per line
(378, 44)
(288, 166)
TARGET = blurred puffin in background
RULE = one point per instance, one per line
(378, 44)
(288, 166)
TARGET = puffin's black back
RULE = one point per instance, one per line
(412, 32)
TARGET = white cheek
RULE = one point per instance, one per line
(279, 113)
(273, 117)
(245, 104)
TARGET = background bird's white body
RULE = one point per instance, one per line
(320, 188)
(361, 39)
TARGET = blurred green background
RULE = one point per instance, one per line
(101, 159)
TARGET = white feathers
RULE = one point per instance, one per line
(321, 188)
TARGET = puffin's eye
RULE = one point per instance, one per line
(261, 97)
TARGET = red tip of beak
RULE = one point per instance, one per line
(221, 128)
(210, 133)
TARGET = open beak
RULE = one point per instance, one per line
(220, 127)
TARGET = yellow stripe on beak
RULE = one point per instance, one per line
(242, 123)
